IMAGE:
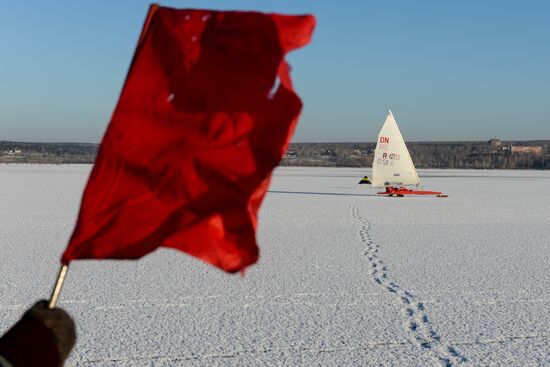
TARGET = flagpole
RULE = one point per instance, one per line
(57, 289)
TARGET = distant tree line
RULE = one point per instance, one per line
(477, 155)
(27, 152)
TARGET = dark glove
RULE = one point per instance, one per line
(42, 337)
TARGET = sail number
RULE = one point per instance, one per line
(383, 143)
(388, 159)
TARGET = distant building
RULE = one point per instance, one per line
(495, 143)
(535, 150)
(291, 153)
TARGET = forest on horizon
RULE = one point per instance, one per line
(468, 155)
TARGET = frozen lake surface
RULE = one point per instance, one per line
(345, 277)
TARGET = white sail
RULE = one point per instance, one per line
(392, 165)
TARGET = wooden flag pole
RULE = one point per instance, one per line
(57, 289)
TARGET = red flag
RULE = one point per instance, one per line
(199, 126)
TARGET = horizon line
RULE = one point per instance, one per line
(305, 142)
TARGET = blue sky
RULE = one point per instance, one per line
(449, 70)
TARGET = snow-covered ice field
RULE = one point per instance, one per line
(345, 277)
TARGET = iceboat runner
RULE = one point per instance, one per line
(392, 167)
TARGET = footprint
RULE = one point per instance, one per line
(434, 336)
(452, 351)
(426, 345)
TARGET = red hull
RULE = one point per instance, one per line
(402, 191)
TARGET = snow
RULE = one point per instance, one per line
(345, 277)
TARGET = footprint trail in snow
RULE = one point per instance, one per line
(417, 324)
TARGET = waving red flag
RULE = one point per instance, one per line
(199, 126)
